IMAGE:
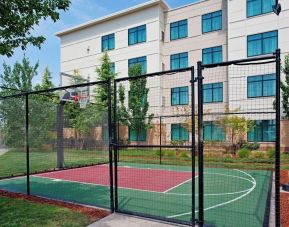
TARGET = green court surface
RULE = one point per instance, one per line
(231, 197)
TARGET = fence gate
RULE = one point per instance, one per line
(200, 149)
(239, 148)
(154, 140)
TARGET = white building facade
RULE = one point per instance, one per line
(161, 38)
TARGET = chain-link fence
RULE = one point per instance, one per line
(56, 149)
(186, 146)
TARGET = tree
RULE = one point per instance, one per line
(104, 73)
(18, 18)
(285, 88)
(236, 127)
(138, 105)
(12, 110)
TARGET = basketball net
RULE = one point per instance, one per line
(82, 99)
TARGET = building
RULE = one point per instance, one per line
(161, 38)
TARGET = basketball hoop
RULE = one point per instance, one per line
(82, 100)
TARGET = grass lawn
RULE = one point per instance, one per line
(18, 213)
(14, 161)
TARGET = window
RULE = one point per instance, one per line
(179, 96)
(137, 135)
(257, 7)
(107, 42)
(263, 131)
(179, 29)
(141, 60)
(213, 92)
(212, 22)
(179, 61)
(212, 55)
(112, 68)
(261, 86)
(263, 43)
(213, 132)
(178, 132)
(137, 35)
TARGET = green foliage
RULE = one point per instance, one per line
(185, 154)
(177, 142)
(258, 155)
(104, 73)
(41, 108)
(18, 18)
(135, 115)
(285, 88)
(170, 153)
(243, 153)
(271, 153)
(251, 146)
(158, 153)
(122, 112)
(236, 128)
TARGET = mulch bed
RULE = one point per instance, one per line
(284, 176)
(284, 200)
(94, 214)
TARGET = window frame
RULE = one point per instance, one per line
(137, 139)
(136, 31)
(212, 89)
(262, 126)
(177, 25)
(179, 92)
(138, 62)
(180, 130)
(262, 42)
(262, 85)
(211, 18)
(212, 52)
(108, 38)
(261, 9)
(179, 57)
(212, 127)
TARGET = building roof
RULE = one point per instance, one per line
(133, 9)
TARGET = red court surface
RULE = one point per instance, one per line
(130, 178)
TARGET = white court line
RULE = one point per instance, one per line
(225, 203)
(177, 185)
(93, 184)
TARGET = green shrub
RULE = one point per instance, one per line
(271, 153)
(251, 146)
(170, 153)
(258, 154)
(184, 154)
(243, 153)
(158, 153)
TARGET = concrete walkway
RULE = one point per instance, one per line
(119, 220)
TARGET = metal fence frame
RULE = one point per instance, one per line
(113, 126)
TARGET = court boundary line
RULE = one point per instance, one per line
(224, 203)
(143, 190)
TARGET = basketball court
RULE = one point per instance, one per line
(164, 191)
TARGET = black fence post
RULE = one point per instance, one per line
(60, 136)
(277, 153)
(115, 141)
(110, 145)
(200, 145)
(193, 141)
(27, 143)
(160, 140)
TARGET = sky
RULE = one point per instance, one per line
(80, 11)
